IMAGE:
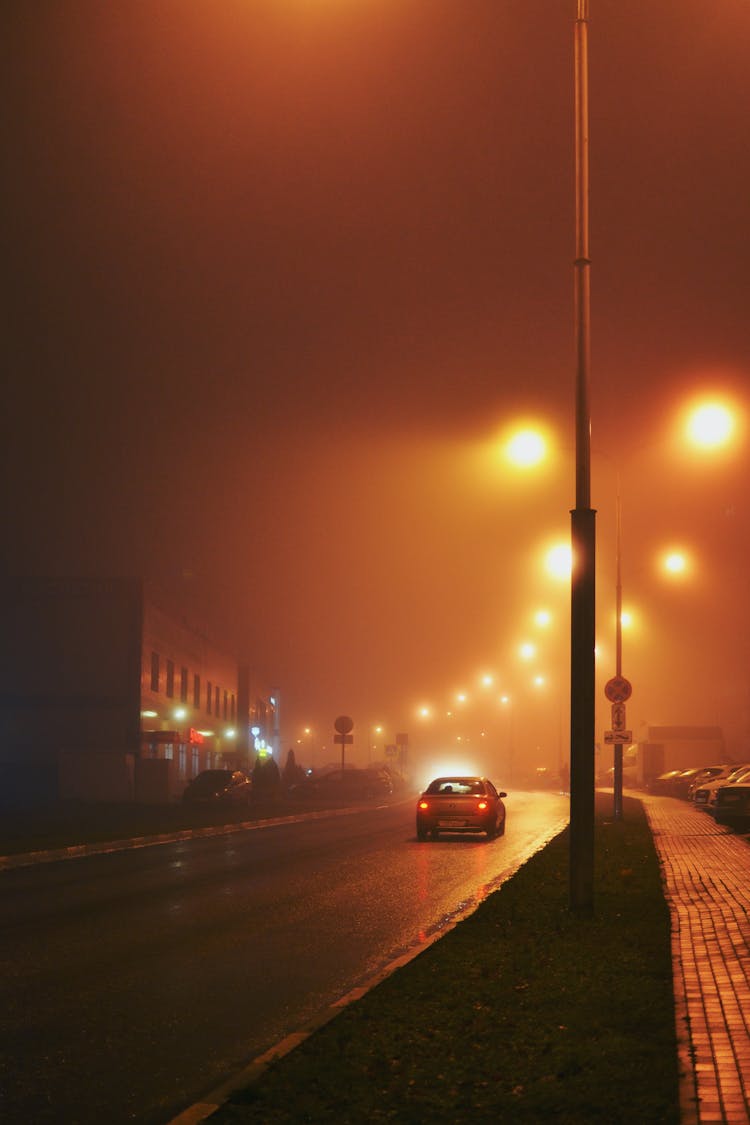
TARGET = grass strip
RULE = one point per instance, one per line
(525, 1012)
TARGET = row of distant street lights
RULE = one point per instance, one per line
(707, 424)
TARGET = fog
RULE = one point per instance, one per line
(282, 274)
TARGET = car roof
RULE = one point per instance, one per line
(460, 777)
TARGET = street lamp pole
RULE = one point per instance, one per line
(617, 779)
(583, 518)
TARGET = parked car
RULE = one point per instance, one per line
(664, 783)
(733, 804)
(460, 804)
(680, 786)
(705, 776)
(222, 786)
(353, 784)
(705, 795)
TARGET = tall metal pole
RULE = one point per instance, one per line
(618, 653)
(583, 524)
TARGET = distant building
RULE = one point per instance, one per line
(106, 695)
(675, 748)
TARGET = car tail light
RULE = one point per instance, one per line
(423, 805)
(483, 805)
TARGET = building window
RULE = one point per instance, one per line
(196, 690)
(232, 705)
(209, 696)
(154, 671)
(181, 756)
(183, 685)
(216, 700)
(195, 768)
(170, 678)
(226, 705)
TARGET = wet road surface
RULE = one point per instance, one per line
(136, 981)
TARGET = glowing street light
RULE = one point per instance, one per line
(310, 746)
(526, 448)
(675, 563)
(559, 561)
(710, 424)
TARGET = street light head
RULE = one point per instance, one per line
(526, 444)
(559, 561)
(526, 449)
(710, 425)
(675, 562)
(713, 419)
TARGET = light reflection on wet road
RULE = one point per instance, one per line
(136, 981)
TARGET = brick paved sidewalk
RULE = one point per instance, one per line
(707, 877)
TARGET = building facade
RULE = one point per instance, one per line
(107, 695)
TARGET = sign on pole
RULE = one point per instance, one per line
(618, 689)
(619, 722)
(618, 737)
(343, 725)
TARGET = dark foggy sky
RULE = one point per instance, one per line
(280, 271)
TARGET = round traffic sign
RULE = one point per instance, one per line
(618, 689)
(343, 724)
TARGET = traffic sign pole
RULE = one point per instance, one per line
(343, 725)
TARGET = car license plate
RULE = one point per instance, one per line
(452, 822)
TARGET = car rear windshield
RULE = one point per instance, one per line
(461, 785)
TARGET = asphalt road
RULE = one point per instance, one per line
(135, 982)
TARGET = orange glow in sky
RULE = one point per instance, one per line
(291, 329)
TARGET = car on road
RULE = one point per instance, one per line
(460, 804)
(221, 786)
